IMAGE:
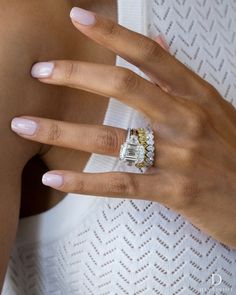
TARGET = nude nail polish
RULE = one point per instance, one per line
(42, 69)
(53, 180)
(24, 126)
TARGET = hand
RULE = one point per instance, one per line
(195, 168)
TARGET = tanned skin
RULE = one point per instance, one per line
(33, 31)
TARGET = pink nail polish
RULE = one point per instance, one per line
(53, 180)
(24, 126)
(42, 69)
(82, 16)
(161, 41)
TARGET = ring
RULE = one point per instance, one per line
(138, 149)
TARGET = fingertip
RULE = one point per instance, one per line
(42, 69)
(24, 126)
(82, 16)
(162, 42)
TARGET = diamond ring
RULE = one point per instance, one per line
(138, 149)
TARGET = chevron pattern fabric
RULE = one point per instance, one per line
(134, 247)
(202, 35)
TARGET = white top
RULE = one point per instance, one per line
(93, 245)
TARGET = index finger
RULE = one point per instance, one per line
(142, 51)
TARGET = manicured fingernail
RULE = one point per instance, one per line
(82, 16)
(42, 69)
(24, 126)
(161, 41)
(53, 180)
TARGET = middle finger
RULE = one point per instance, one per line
(110, 81)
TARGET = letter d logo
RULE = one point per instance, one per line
(216, 279)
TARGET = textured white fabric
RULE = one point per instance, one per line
(119, 246)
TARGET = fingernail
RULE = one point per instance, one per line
(42, 69)
(161, 41)
(53, 180)
(82, 16)
(24, 126)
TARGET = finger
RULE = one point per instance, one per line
(89, 138)
(145, 53)
(97, 139)
(113, 184)
(109, 81)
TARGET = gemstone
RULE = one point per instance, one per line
(150, 154)
(150, 136)
(150, 141)
(122, 151)
(150, 148)
(132, 153)
(134, 140)
(140, 154)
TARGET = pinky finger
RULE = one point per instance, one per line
(111, 184)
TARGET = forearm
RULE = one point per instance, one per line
(12, 160)
(21, 46)
(9, 211)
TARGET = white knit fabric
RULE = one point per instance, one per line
(101, 246)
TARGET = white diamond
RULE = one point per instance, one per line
(150, 148)
(123, 151)
(134, 140)
(150, 136)
(150, 141)
(132, 153)
(140, 154)
(150, 154)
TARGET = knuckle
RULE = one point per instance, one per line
(108, 141)
(125, 81)
(77, 186)
(149, 49)
(188, 156)
(206, 94)
(209, 92)
(70, 71)
(110, 30)
(122, 185)
(54, 132)
(197, 123)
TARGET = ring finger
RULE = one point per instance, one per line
(111, 81)
(105, 140)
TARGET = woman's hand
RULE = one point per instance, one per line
(195, 129)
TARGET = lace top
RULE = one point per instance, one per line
(101, 246)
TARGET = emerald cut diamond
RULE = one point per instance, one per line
(138, 149)
(132, 153)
